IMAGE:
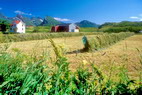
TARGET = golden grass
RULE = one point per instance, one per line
(70, 43)
(123, 53)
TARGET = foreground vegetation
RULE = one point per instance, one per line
(23, 74)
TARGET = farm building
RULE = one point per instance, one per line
(18, 27)
(65, 28)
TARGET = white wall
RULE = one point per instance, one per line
(18, 28)
(72, 28)
(76, 30)
(21, 28)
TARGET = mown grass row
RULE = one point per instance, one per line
(104, 40)
(31, 75)
(39, 36)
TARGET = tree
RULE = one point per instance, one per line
(4, 25)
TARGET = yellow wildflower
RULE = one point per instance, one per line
(85, 62)
(48, 86)
(132, 87)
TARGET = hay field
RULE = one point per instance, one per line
(124, 53)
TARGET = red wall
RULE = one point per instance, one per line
(60, 29)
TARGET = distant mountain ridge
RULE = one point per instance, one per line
(47, 21)
(31, 21)
(86, 23)
(3, 17)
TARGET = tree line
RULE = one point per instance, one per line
(124, 26)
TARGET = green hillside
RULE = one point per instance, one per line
(86, 23)
(49, 21)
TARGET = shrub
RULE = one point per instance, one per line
(36, 29)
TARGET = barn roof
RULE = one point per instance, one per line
(65, 24)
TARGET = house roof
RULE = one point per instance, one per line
(16, 21)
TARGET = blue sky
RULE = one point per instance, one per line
(98, 11)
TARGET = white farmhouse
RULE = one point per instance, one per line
(18, 27)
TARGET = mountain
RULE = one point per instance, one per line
(27, 20)
(3, 17)
(86, 23)
(34, 21)
(37, 20)
(48, 21)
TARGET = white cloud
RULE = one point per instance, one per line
(134, 17)
(139, 18)
(23, 13)
(19, 12)
(0, 8)
(60, 19)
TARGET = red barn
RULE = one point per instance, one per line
(65, 28)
